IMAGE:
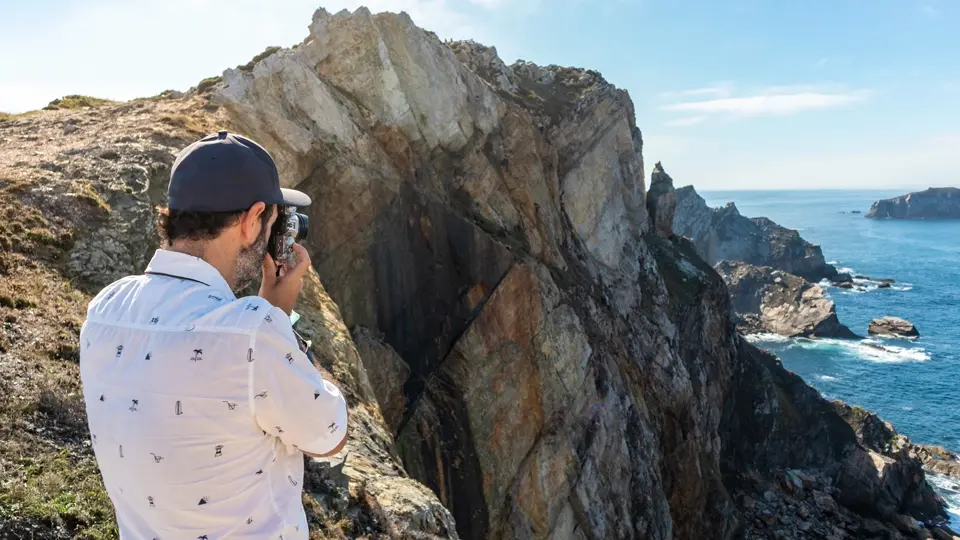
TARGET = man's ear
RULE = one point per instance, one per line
(250, 228)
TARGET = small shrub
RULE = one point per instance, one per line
(249, 65)
(208, 83)
(77, 102)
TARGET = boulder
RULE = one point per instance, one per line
(724, 234)
(661, 202)
(893, 326)
(840, 278)
(769, 300)
(932, 203)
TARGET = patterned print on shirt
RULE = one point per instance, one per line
(156, 458)
(155, 320)
(231, 405)
(249, 520)
(197, 355)
(93, 437)
(292, 481)
(279, 430)
(150, 500)
(217, 298)
(119, 350)
(268, 318)
(178, 409)
(202, 537)
(101, 397)
(191, 328)
(203, 500)
(289, 358)
(121, 455)
(148, 356)
(249, 355)
(316, 394)
(333, 427)
(251, 307)
(133, 407)
(261, 395)
(88, 343)
(219, 449)
(258, 473)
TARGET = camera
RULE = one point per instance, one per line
(289, 228)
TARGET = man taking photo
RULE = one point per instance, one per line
(201, 405)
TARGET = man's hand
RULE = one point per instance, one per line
(282, 291)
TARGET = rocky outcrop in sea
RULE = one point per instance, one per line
(766, 300)
(527, 349)
(724, 234)
(932, 203)
(893, 327)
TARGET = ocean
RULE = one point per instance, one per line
(913, 385)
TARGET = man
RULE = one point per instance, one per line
(200, 404)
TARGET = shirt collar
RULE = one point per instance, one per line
(182, 265)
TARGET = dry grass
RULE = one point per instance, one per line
(182, 121)
(49, 483)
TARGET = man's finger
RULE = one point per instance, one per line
(303, 262)
(269, 267)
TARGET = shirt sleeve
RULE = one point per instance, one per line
(290, 399)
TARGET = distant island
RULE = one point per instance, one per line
(933, 203)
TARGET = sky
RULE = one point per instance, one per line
(729, 94)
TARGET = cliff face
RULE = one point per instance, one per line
(524, 354)
(723, 234)
(933, 203)
(486, 224)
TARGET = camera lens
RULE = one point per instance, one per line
(303, 223)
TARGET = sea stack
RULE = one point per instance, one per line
(661, 201)
(893, 326)
(933, 203)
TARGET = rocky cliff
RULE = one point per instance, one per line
(768, 300)
(524, 353)
(723, 234)
(932, 203)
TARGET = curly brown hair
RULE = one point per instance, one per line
(188, 225)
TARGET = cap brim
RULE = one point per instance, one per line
(292, 197)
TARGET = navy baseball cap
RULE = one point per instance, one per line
(225, 172)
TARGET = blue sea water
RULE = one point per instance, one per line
(913, 385)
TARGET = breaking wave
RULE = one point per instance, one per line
(949, 489)
(870, 350)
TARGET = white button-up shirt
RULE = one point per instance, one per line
(199, 404)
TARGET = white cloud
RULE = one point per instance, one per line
(721, 90)
(770, 103)
(685, 122)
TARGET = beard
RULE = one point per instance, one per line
(250, 263)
